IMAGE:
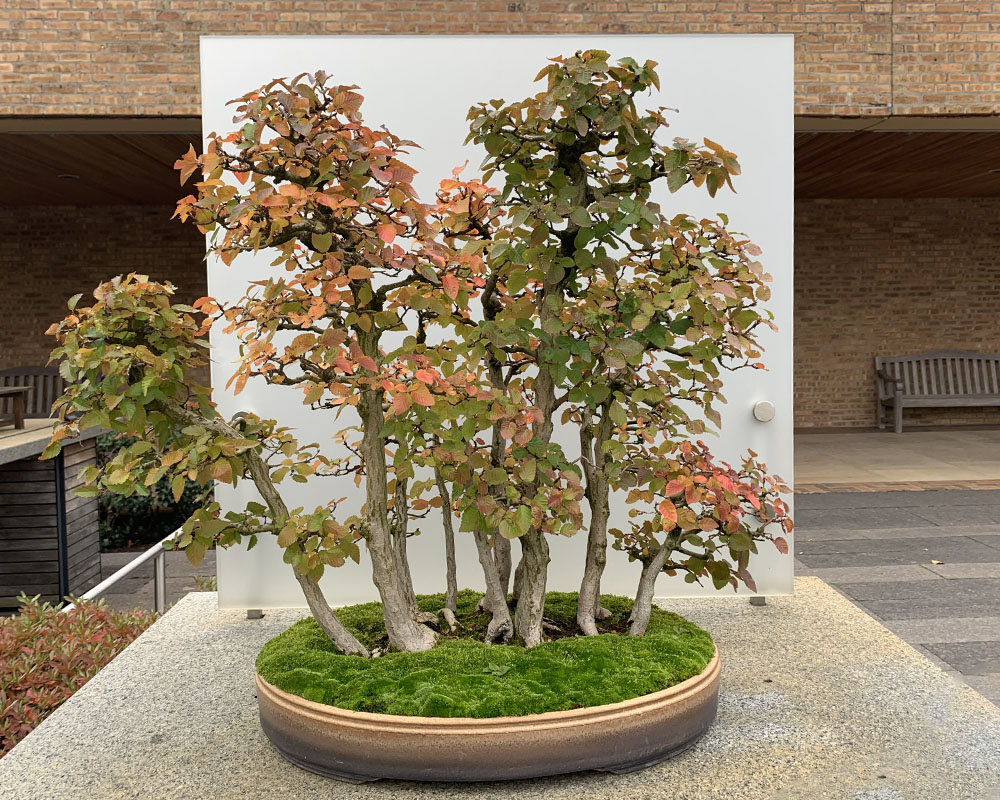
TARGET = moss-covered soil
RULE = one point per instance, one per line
(462, 677)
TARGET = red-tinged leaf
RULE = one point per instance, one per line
(673, 488)
(747, 578)
(387, 232)
(358, 273)
(241, 176)
(426, 376)
(401, 402)
(422, 396)
(781, 544)
(669, 513)
(450, 284)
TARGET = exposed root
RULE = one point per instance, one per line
(426, 618)
(450, 619)
(499, 632)
(551, 627)
(602, 613)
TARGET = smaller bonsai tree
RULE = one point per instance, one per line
(450, 338)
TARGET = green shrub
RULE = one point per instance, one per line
(142, 520)
(46, 655)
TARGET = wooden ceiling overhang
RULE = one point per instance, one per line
(112, 161)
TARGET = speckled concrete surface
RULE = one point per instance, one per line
(819, 702)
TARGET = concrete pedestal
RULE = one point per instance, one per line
(818, 702)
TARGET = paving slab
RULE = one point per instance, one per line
(891, 573)
(861, 518)
(988, 570)
(942, 591)
(959, 515)
(929, 498)
(818, 702)
(925, 608)
(969, 658)
(947, 629)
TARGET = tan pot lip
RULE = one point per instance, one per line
(465, 725)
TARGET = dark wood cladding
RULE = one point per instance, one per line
(29, 527)
(98, 168)
(897, 164)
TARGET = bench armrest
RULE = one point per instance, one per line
(888, 385)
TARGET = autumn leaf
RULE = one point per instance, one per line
(421, 395)
(669, 513)
(387, 232)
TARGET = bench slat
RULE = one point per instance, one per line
(939, 379)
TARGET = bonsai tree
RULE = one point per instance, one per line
(632, 314)
(450, 338)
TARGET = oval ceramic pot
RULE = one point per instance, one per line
(620, 737)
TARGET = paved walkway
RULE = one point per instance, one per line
(925, 564)
(136, 591)
(912, 459)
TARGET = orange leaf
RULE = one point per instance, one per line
(422, 396)
(781, 544)
(357, 273)
(669, 514)
(425, 375)
(387, 232)
(450, 284)
(401, 403)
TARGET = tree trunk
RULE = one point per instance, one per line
(451, 579)
(399, 529)
(404, 632)
(531, 600)
(597, 489)
(342, 639)
(501, 628)
(641, 609)
(501, 554)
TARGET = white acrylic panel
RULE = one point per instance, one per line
(736, 90)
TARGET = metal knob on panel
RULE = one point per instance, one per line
(763, 410)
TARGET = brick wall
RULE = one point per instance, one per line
(140, 57)
(50, 253)
(889, 277)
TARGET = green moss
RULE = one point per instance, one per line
(462, 677)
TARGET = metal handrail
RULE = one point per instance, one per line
(158, 555)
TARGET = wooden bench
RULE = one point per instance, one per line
(45, 383)
(18, 395)
(936, 379)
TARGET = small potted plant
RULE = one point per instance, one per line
(453, 337)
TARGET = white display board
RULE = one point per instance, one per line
(736, 90)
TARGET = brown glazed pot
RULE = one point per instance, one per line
(357, 746)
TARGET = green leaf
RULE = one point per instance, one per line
(288, 534)
(322, 241)
(177, 487)
(676, 178)
(195, 552)
(739, 541)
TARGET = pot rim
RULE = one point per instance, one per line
(464, 725)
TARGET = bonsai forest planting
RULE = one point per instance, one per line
(450, 336)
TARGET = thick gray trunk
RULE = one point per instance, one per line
(387, 572)
(592, 450)
(531, 601)
(495, 600)
(451, 578)
(501, 554)
(643, 605)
